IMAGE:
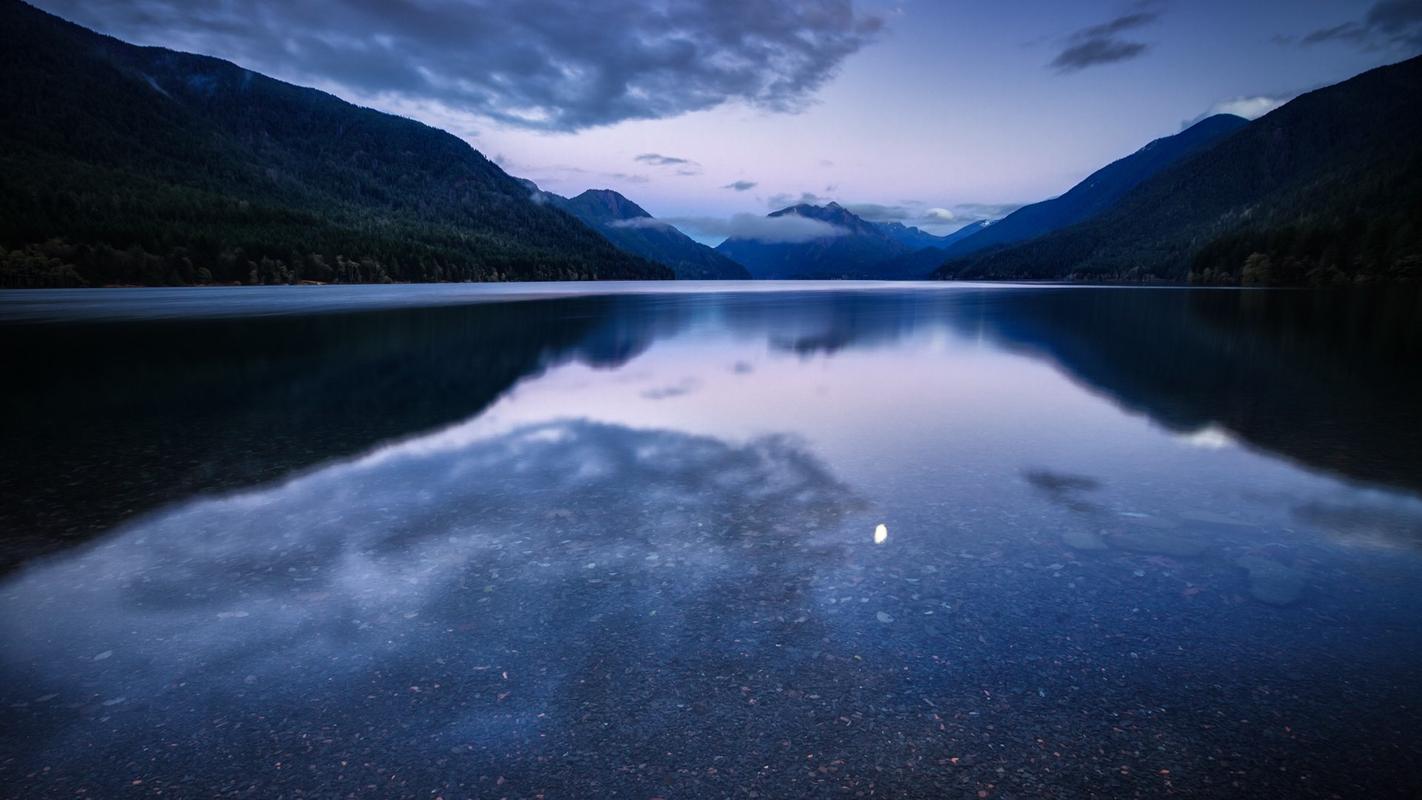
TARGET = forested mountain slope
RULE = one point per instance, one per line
(1326, 189)
(138, 165)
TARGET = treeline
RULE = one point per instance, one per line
(1367, 229)
(1355, 252)
(1364, 227)
(126, 230)
(59, 264)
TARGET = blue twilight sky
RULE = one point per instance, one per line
(930, 113)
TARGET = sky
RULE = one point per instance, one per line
(710, 113)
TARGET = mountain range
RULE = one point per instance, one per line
(1326, 189)
(140, 165)
(920, 263)
(135, 165)
(632, 230)
(852, 247)
(893, 251)
(918, 239)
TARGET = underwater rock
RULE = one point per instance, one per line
(1083, 540)
(1156, 542)
(1271, 582)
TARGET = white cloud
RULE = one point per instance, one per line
(1249, 107)
(638, 222)
(784, 229)
(785, 200)
(940, 220)
(1210, 437)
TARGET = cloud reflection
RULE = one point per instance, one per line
(429, 563)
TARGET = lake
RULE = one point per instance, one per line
(711, 540)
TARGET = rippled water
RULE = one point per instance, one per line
(948, 541)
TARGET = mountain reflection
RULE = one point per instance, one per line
(1266, 367)
(718, 543)
(124, 417)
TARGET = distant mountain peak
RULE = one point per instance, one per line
(859, 251)
(1230, 120)
(801, 209)
(611, 203)
(832, 213)
(632, 230)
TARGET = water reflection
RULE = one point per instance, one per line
(1328, 379)
(126, 416)
(123, 417)
(1063, 488)
(487, 594)
(639, 546)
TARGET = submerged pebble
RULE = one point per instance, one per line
(1083, 540)
(1271, 582)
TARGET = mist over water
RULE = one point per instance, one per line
(918, 542)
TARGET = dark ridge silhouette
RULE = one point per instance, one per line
(1325, 190)
(1100, 190)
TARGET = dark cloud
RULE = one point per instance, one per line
(740, 186)
(1396, 17)
(1101, 44)
(557, 65)
(679, 389)
(685, 166)
(659, 160)
(1348, 31)
(1118, 25)
(1064, 488)
(1096, 51)
(1389, 24)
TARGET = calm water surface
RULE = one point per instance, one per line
(527, 542)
